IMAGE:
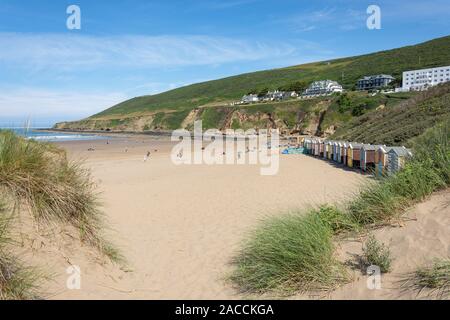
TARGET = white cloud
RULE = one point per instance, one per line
(66, 51)
(308, 21)
(40, 103)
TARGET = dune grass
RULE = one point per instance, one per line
(16, 281)
(296, 252)
(435, 279)
(39, 176)
(3, 220)
(293, 252)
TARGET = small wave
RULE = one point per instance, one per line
(63, 137)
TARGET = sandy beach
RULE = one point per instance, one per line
(180, 226)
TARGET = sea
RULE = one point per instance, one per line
(39, 135)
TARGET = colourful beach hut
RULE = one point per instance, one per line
(353, 155)
(333, 150)
(307, 145)
(397, 157)
(302, 142)
(381, 160)
(325, 149)
(368, 157)
(311, 147)
(321, 148)
(338, 157)
(336, 152)
(330, 150)
(343, 152)
(317, 144)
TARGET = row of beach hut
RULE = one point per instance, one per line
(376, 159)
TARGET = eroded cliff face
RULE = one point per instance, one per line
(287, 120)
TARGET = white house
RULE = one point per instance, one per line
(418, 80)
(278, 95)
(324, 87)
(249, 98)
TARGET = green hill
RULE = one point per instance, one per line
(179, 107)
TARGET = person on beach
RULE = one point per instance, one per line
(147, 156)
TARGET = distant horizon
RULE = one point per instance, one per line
(17, 123)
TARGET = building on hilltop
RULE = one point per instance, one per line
(419, 80)
(374, 82)
(323, 88)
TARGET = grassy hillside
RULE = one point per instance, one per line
(398, 124)
(209, 101)
(428, 54)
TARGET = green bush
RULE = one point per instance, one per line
(376, 253)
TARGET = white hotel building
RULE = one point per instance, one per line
(417, 80)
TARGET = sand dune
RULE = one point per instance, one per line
(416, 242)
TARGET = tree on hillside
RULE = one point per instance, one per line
(263, 92)
(344, 102)
(358, 110)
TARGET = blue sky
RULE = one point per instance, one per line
(136, 47)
